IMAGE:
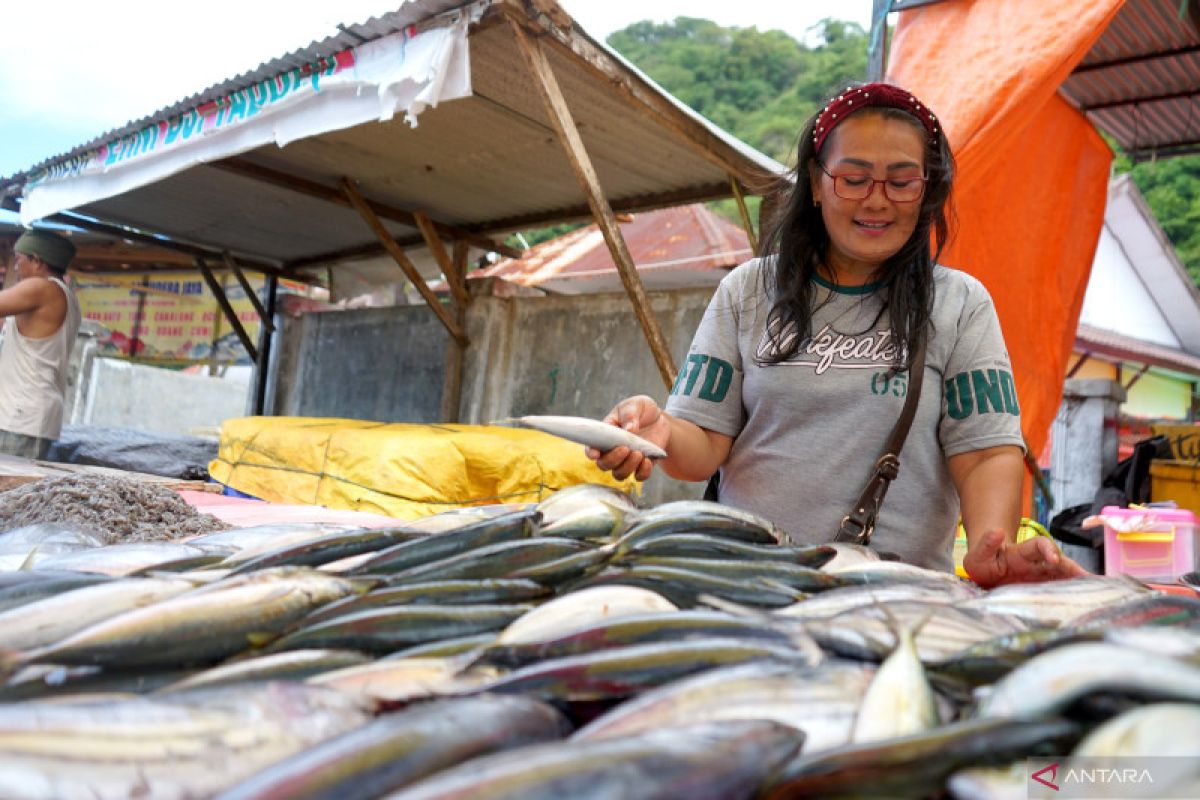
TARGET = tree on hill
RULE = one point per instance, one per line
(1172, 190)
(758, 85)
(762, 85)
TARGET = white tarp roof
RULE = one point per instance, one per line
(265, 186)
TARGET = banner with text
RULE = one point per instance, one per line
(406, 71)
(169, 316)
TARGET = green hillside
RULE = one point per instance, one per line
(762, 85)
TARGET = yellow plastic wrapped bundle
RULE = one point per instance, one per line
(399, 469)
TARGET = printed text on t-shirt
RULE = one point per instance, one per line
(981, 391)
(827, 349)
(718, 374)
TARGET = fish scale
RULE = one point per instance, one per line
(412, 554)
(706, 761)
(502, 560)
(1059, 602)
(200, 626)
(383, 630)
(400, 748)
(822, 701)
(863, 633)
(624, 671)
(589, 432)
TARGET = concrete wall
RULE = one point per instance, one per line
(113, 392)
(576, 354)
(1084, 437)
(381, 364)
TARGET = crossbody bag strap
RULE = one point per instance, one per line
(857, 526)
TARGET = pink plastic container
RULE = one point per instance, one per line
(1151, 544)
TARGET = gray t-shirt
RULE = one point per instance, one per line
(807, 432)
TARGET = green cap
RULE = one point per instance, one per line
(57, 251)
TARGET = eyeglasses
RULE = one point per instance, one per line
(859, 186)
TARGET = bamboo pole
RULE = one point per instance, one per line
(434, 243)
(266, 338)
(456, 353)
(385, 238)
(251, 295)
(226, 308)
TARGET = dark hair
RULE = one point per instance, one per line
(59, 273)
(797, 241)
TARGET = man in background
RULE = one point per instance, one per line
(41, 318)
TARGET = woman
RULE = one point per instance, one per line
(798, 371)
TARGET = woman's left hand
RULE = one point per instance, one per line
(996, 559)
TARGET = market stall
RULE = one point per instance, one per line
(571, 644)
(418, 136)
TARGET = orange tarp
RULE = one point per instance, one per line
(1033, 172)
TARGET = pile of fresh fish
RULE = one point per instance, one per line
(579, 648)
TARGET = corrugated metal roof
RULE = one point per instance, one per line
(671, 247)
(1140, 82)
(1089, 339)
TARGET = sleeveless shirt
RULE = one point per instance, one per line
(33, 375)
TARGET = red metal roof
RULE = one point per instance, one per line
(681, 239)
(1098, 342)
(1140, 82)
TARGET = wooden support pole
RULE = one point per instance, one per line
(1084, 357)
(434, 243)
(878, 41)
(459, 264)
(745, 214)
(251, 295)
(1035, 471)
(455, 352)
(139, 318)
(226, 308)
(265, 340)
(581, 164)
(710, 191)
(1145, 368)
(248, 169)
(385, 238)
(602, 68)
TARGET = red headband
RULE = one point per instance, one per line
(878, 95)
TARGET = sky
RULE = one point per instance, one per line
(72, 70)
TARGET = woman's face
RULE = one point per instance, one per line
(864, 233)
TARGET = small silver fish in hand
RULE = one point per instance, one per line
(590, 432)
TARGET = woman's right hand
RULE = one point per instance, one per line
(640, 415)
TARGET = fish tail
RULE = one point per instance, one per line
(795, 630)
(730, 607)
(10, 662)
(625, 516)
(619, 514)
(783, 588)
(361, 584)
(898, 629)
(802, 640)
(29, 561)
